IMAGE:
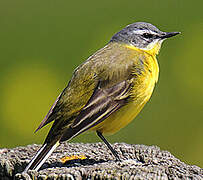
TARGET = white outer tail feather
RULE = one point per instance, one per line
(44, 159)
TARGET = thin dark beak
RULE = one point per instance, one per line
(169, 34)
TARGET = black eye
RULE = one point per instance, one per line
(147, 35)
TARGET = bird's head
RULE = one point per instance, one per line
(144, 36)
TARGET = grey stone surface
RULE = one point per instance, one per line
(137, 162)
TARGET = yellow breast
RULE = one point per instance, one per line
(141, 92)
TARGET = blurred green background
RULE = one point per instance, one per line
(41, 42)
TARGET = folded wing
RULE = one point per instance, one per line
(102, 104)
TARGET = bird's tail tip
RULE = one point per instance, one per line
(41, 156)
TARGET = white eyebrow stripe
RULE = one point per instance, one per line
(142, 31)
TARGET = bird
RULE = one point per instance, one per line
(107, 91)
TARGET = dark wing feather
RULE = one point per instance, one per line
(102, 104)
(47, 118)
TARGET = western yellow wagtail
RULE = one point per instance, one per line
(107, 91)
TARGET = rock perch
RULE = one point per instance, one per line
(137, 162)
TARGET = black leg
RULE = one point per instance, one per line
(114, 152)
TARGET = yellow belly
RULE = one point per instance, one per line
(140, 93)
(119, 119)
(126, 114)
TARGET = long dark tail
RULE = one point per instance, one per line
(41, 156)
